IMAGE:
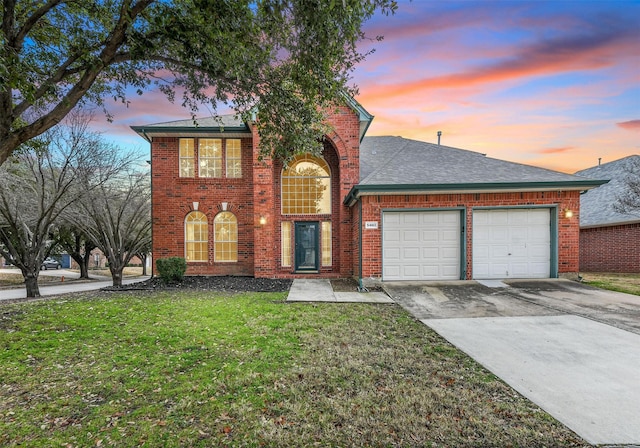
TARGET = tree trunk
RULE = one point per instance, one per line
(31, 283)
(116, 274)
(84, 267)
(143, 259)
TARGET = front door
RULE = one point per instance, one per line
(306, 240)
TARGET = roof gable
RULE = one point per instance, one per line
(596, 206)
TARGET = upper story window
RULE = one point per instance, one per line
(234, 157)
(187, 157)
(210, 153)
(306, 186)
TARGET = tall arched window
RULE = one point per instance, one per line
(196, 237)
(225, 228)
(306, 186)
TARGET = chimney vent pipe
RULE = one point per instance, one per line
(439, 134)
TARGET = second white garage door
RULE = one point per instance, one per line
(421, 245)
(511, 243)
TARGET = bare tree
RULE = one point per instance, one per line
(41, 182)
(117, 217)
(628, 201)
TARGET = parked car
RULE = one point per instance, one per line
(49, 263)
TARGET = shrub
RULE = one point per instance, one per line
(171, 269)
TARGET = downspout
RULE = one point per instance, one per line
(361, 287)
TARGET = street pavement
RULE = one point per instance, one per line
(64, 287)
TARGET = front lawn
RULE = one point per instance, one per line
(181, 369)
(629, 283)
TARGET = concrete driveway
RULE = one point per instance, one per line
(572, 349)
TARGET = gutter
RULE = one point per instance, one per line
(491, 187)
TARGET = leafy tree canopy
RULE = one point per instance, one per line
(290, 57)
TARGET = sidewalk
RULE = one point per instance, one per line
(320, 290)
(65, 288)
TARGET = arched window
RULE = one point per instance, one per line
(306, 186)
(225, 228)
(196, 236)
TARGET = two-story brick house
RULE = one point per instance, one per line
(374, 208)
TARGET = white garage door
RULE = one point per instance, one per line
(511, 243)
(421, 245)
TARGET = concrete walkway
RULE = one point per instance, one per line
(65, 288)
(317, 290)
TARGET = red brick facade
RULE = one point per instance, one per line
(610, 249)
(253, 198)
(567, 228)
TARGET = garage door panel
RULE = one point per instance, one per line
(511, 243)
(428, 247)
(411, 236)
(430, 253)
(498, 219)
(392, 235)
(498, 251)
(410, 219)
(429, 236)
(428, 218)
(450, 253)
(429, 271)
(391, 271)
(450, 235)
(411, 253)
(393, 253)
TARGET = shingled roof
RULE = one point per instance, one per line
(230, 125)
(596, 206)
(398, 165)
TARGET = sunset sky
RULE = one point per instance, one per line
(554, 84)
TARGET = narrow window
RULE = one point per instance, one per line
(210, 155)
(186, 157)
(196, 237)
(285, 229)
(234, 158)
(225, 227)
(326, 243)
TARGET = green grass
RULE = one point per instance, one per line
(628, 283)
(205, 369)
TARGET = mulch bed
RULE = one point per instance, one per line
(210, 283)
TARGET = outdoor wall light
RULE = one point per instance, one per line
(263, 220)
(568, 213)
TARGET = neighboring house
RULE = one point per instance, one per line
(609, 240)
(379, 208)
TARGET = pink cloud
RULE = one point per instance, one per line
(632, 125)
(555, 150)
(553, 56)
